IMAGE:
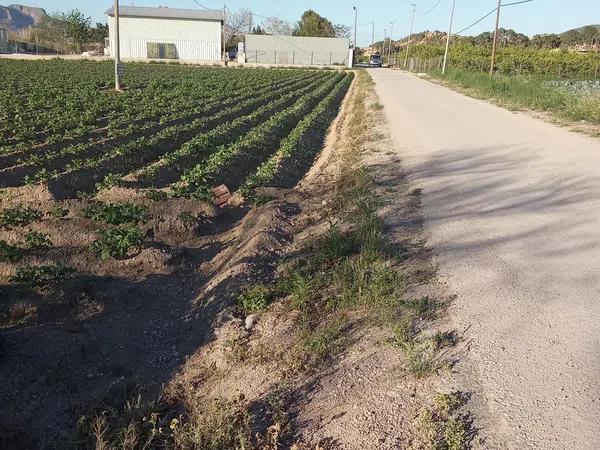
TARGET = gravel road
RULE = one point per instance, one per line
(512, 207)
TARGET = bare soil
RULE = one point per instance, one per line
(163, 320)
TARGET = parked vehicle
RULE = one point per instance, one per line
(375, 60)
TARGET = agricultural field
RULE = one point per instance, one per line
(562, 83)
(106, 200)
(68, 141)
(555, 64)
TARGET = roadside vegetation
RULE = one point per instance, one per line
(576, 100)
(561, 82)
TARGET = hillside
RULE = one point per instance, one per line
(20, 16)
(581, 29)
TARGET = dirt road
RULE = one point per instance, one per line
(512, 205)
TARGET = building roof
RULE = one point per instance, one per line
(167, 13)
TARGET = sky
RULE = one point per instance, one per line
(538, 16)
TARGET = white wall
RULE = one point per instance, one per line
(296, 50)
(194, 39)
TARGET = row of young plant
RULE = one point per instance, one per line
(514, 60)
(52, 93)
(118, 239)
(49, 112)
(196, 108)
(145, 147)
(154, 96)
(165, 138)
(253, 145)
(211, 147)
(315, 123)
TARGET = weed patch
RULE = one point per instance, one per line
(255, 299)
(441, 426)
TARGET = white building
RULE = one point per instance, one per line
(167, 33)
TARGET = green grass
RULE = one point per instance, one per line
(519, 92)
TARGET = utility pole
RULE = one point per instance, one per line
(355, 29)
(250, 23)
(495, 38)
(373, 38)
(412, 23)
(383, 49)
(117, 49)
(448, 38)
(390, 46)
(224, 35)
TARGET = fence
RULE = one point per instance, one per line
(418, 65)
(296, 50)
(297, 58)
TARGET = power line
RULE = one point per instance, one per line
(430, 9)
(475, 23)
(517, 3)
(490, 13)
(202, 6)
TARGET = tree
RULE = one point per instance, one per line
(342, 31)
(235, 25)
(484, 38)
(571, 38)
(52, 33)
(545, 41)
(589, 34)
(99, 33)
(312, 24)
(511, 37)
(277, 26)
(77, 27)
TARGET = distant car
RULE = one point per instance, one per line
(375, 61)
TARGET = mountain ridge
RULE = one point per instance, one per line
(16, 16)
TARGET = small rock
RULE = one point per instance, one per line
(251, 321)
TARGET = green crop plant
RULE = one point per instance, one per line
(41, 276)
(9, 253)
(18, 216)
(38, 241)
(118, 242)
(117, 213)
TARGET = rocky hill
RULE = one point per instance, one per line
(19, 16)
